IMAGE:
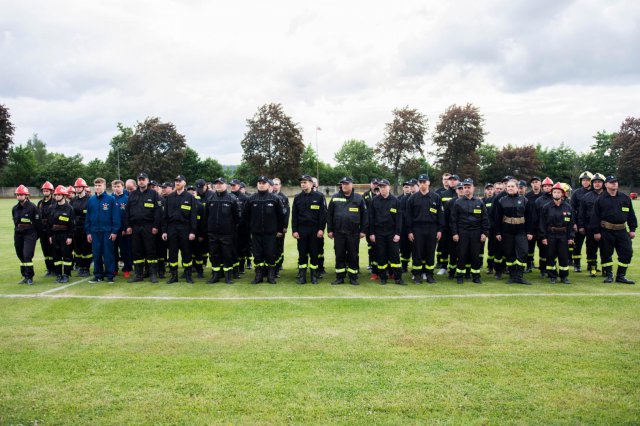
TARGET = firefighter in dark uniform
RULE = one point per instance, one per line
(612, 214)
(242, 238)
(532, 196)
(264, 216)
(576, 202)
(369, 195)
(347, 222)
(405, 244)
(277, 185)
(513, 221)
(81, 247)
(196, 247)
(447, 208)
(444, 244)
(308, 221)
(425, 221)
(469, 230)
(143, 222)
(162, 248)
(179, 228)
(494, 247)
(385, 227)
(25, 219)
(582, 221)
(488, 194)
(202, 194)
(542, 200)
(556, 231)
(43, 211)
(60, 231)
(220, 224)
(320, 271)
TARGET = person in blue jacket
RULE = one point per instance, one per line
(101, 225)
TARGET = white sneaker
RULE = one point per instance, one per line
(442, 271)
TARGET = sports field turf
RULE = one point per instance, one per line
(245, 354)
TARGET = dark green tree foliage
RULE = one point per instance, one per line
(194, 168)
(412, 167)
(6, 134)
(403, 139)
(488, 157)
(627, 146)
(273, 144)
(210, 168)
(39, 149)
(157, 148)
(520, 162)
(562, 164)
(21, 167)
(602, 159)
(457, 137)
(61, 170)
(357, 159)
(98, 168)
(119, 157)
(244, 173)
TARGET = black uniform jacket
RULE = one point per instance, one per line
(616, 209)
(221, 214)
(347, 214)
(309, 211)
(27, 216)
(424, 210)
(514, 207)
(180, 210)
(143, 207)
(469, 214)
(61, 220)
(263, 213)
(556, 216)
(385, 216)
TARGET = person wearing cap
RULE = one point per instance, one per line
(265, 217)
(162, 248)
(445, 183)
(179, 226)
(444, 248)
(612, 214)
(369, 195)
(60, 234)
(320, 271)
(469, 230)
(25, 219)
(277, 186)
(123, 241)
(242, 238)
(556, 230)
(347, 222)
(542, 200)
(522, 187)
(576, 200)
(514, 226)
(198, 251)
(43, 207)
(201, 252)
(405, 244)
(494, 247)
(582, 221)
(155, 186)
(101, 225)
(220, 224)
(489, 190)
(532, 196)
(447, 209)
(425, 222)
(81, 247)
(308, 222)
(385, 227)
(142, 222)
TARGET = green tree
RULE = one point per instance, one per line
(157, 148)
(601, 158)
(6, 134)
(273, 144)
(522, 162)
(97, 168)
(488, 157)
(457, 137)
(191, 165)
(210, 169)
(245, 173)
(118, 162)
(412, 167)
(403, 139)
(561, 163)
(357, 159)
(39, 148)
(61, 170)
(21, 167)
(627, 146)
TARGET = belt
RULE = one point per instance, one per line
(23, 226)
(513, 220)
(60, 228)
(559, 230)
(614, 226)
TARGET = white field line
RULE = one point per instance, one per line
(363, 297)
(62, 287)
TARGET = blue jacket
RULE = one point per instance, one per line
(102, 215)
(121, 205)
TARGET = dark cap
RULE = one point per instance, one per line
(143, 176)
(167, 185)
(454, 177)
(220, 180)
(179, 177)
(346, 179)
(265, 179)
(413, 181)
(406, 183)
(489, 185)
(534, 178)
(235, 182)
(522, 184)
(243, 185)
(610, 179)
(424, 177)
(467, 181)
(375, 181)
(306, 177)
(460, 185)
(191, 188)
(384, 182)
(153, 183)
(507, 178)
(200, 183)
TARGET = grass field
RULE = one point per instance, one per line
(244, 354)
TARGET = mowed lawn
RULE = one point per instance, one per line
(444, 353)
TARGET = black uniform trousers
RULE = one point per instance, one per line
(196, 254)
(321, 253)
(222, 251)
(515, 248)
(592, 252)
(469, 250)
(532, 249)
(405, 249)
(122, 251)
(47, 251)
(577, 247)
(280, 250)
(496, 252)
(143, 245)
(178, 240)
(388, 255)
(557, 248)
(444, 249)
(62, 253)
(308, 245)
(542, 256)
(346, 248)
(621, 243)
(202, 252)
(161, 252)
(82, 249)
(243, 244)
(264, 248)
(425, 240)
(25, 245)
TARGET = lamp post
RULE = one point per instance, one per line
(317, 156)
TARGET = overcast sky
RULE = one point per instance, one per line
(543, 71)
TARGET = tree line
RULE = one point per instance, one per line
(273, 146)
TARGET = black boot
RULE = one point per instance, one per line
(313, 274)
(153, 273)
(174, 277)
(620, 276)
(476, 279)
(430, 278)
(249, 263)
(187, 275)
(459, 278)
(608, 274)
(519, 276)
(199, 271)
(271, 275)
(227, 277)
(241, 266)
(161, 269)
(339, 279)
(137, 276)
(353, 279)
(236, 272)
(576, 266)
(259, 275)
(383, 277)
(302, 276)
(215, 277)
